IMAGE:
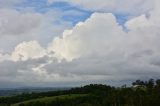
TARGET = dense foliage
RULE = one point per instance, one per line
(142, 93)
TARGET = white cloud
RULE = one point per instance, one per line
(145, 20)
(28, 50)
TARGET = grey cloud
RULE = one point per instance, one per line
(13, 71)
(110, 69)
(14, 23)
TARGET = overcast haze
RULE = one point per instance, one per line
(76, 42)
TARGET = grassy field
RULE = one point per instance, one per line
(54, 98)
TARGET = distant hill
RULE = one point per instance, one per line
(17, 91)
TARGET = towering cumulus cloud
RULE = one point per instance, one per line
(96, 36)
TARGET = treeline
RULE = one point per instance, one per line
(142, 93)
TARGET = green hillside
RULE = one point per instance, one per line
(47, 100)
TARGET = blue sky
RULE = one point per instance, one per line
(42, 6)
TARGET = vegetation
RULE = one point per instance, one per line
(142, 93)
(49, 100)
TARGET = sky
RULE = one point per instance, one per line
(48, 43)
